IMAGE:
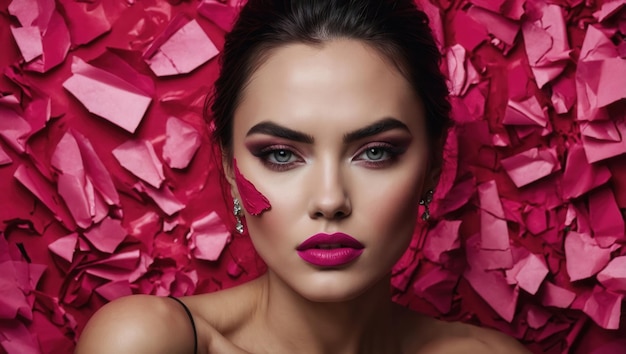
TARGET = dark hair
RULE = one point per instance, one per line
(396, 28)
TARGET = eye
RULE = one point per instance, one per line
(375, 153)
(280, 156)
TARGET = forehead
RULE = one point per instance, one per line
(345, 83)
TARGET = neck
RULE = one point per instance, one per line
(360, 325)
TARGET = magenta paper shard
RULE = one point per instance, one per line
(442, 238)
(5, 159)
(526, 112)
(545, 37)
(182, 51)
(86, 21)
(208, 237)
(584, 257)
(497, 25)
(64, 247)
(556, 296)
(531, 165)
(603, 139)
(580, 176)
(613, 276)
(108, 96)
(461, 72)
(219, 13)
(163, 197)
(605, 217)
(14, 129)
(494, 234)
(528, 273)
(181, 143)
(107, 235)
(604, 307)
(140, 159)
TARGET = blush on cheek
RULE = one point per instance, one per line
(253, 201)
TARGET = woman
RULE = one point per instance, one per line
(330, 116)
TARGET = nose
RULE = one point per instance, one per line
(329, 195)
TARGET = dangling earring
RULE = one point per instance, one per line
(426, 203)
(237, 213)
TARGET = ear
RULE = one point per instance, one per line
(229, 173)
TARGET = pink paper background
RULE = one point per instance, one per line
(527, 231)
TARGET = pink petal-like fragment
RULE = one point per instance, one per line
(12, 298)
(184, 51)
(115, 289)
(529, 273)
(219, 13)
(461, 72)
(546, 42)
(531, 165)
(96, 171)
(580, 176)
(605, 218)
(14, 129)
(16, 338)
(527, 112)
(128, 266)
(5, 159)
(107, 95)
(43, 190)
(491, 285)
(181, 143)
(604, 139)
(86, 21)
(437, 287)
(28, 11)
(604, 307)
(208, 236)
(107, 235)
(494, 234)
(65, 247)
(442, 238)
(139, 157)
(537, 317)
(613, 276)
(563, 94)
(499, 26)
(163, 197)
(469, 33)
(28, 39)
(584, 257)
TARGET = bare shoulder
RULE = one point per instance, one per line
(458, 337)
(138, 324)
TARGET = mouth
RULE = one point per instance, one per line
(330, 241)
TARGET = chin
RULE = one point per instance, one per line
(331, 286)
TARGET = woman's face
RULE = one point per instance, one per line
(334, 136)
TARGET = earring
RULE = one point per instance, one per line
(426, 203)
(237, 213)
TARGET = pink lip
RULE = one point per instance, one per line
(349, 250)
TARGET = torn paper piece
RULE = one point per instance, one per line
(139, 157)
(499, 26)
(219, 13)
(181, 143)
(97, 173)
(583, 256)
(608, 9)
(603, 139)
(580, 176)
(442, 238)
(467, 32)
(208, 237)
(604, 308)
(107, 95)
(130, 265)
(553, 295)
(45, 192)
(86, 21)
(494, 234)
(163, 197)
(513, 9)
(613, 276)
(14, 129)
(605, 217)
(527, 112)
(184, 51)
(491, 285)
(28, 39)
(529, 273)
(72, 183)
(537, 317)
(114, 289)
(531, 165)
(107, 235)
(65, 247)
(5, 159)
(461, 72)
(55, 38)
(27, 12)
(563, 94)
(546, 42)
(437, 287)
(591, 74)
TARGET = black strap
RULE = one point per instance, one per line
(193, 324)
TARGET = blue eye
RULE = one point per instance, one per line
(280, 156)
(375, 153)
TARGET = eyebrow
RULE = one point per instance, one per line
(383, 125)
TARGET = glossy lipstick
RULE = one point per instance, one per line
(330, 250)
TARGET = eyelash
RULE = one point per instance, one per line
(391, 152)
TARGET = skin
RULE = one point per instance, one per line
(327, 184)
